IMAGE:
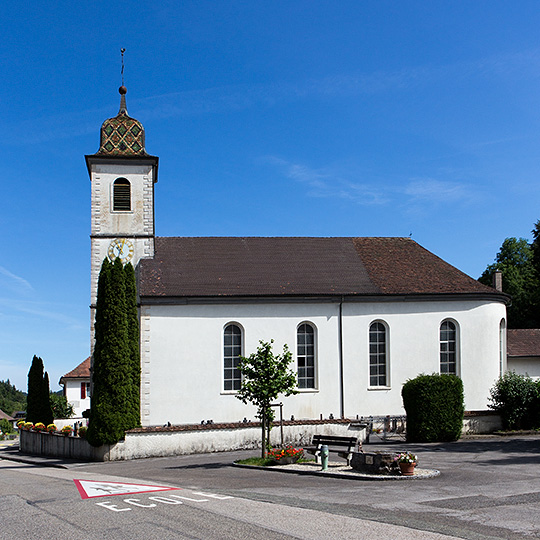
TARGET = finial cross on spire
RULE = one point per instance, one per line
(122, 51)
(122, 89)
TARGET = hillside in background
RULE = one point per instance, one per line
(11, 399)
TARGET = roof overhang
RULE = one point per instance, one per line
(93, 159)
(338, 298)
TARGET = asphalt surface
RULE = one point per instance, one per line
(489, 488)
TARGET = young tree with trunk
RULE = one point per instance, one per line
(264, 378)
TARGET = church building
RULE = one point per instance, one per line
(360, 315)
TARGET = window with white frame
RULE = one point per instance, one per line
(378, 357)
(232, 350)
(448, 348)
(121, 195)
(305, 353)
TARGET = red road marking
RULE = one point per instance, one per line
(89, 489)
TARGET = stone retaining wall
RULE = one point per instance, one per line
(179, 440)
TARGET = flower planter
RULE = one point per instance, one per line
(407, 469)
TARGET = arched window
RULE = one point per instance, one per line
(502, 347)
(378, 357)
(232, 350)
(305, 352)
(121, 195)
(448, 348)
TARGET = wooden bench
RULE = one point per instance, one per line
(342, 446)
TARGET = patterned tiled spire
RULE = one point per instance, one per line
(122, 135)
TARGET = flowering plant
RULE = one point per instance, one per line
(66, 430)
(20, 424)
(40, 426)
(82, 431)
(28, 426)
(287, 451)
(407, 457)
(51, 428)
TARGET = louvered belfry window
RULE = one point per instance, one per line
(121, 195)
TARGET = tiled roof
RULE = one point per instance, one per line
(82, 371)
(6, 416)
(523, 342)
(298, 266)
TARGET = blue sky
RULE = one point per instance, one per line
(283, 118)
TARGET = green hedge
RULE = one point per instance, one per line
(434, 407)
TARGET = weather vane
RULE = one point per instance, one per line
(122, 51)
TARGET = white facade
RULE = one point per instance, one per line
(182, 355)
(77, 392)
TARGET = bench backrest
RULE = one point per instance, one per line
(330, 440)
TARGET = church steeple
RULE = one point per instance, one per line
(122, 135)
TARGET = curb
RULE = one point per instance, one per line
(422, 473)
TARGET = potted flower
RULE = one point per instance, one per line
(82, 432)
(286, 455)
(20, 424)
(407, 462)
(28, 426)
(51, 428)
(40, 426)
(66, 430)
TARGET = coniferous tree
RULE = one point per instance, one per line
(38, 407)
(47, 416)
(133, 341)
(35, 381)
(112, 409)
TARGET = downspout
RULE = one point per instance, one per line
(340, 346)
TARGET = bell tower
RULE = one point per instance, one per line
(122, 177)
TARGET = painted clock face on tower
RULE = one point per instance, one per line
(120, 247)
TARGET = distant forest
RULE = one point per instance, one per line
(11, 399)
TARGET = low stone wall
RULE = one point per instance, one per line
(198, 439)
(179, 440)
(481, 422)
(56, 445)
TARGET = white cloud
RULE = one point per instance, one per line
(13, 282)
(329, 182)
(429, 189)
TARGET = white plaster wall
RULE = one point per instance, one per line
(182, 355)
(104, 221)
(525, 366)
(73, 395)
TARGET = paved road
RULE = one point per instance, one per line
(488, 489)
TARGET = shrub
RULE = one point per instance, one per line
(434, 407)
(5, 426)
(517, 399)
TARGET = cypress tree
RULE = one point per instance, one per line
(47, 416)
(115, 381)
(35, 382)
(107, 415)
(38, 404)
(133, 342)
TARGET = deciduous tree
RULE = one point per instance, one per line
(519, 279)
(264, 378)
